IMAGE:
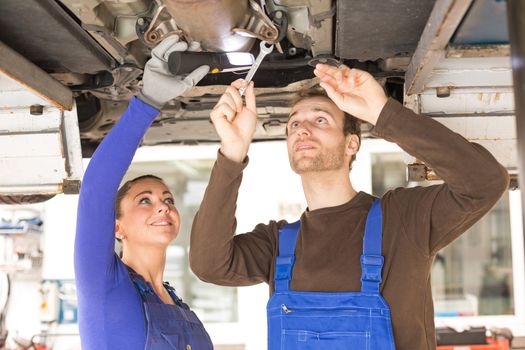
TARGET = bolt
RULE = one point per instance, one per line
(71, 186)
(292, 51)
(279, 14)
(36, 109)
(140, 21)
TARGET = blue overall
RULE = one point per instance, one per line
(324, 320)
(170, 327)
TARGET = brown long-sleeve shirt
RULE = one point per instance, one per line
(417, 223)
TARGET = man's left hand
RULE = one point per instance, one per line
(354, 91)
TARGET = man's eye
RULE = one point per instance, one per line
(144, 201)
(169, 201)
(294, 125)
(320, 121)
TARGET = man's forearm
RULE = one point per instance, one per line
(214, 225)
(466, 167)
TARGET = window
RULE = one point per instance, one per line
(473, 276)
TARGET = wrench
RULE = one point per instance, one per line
(264, 50)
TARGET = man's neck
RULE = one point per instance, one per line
(327, 188)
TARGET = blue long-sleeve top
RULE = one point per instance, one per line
(109, 307)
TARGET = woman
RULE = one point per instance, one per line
(124, 303)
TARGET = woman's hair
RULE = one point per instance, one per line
(124, 189)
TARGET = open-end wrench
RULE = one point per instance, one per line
(264, 50)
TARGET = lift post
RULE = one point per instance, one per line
(516, 20)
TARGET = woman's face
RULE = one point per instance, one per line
(148, 215)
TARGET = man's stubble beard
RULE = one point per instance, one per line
(325, 160)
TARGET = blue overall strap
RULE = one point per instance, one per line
(372, 260)
(173, 294)
(146, 292)
(286, 258)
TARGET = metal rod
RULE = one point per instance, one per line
(18, 68)
(444, 20)
(516, 20)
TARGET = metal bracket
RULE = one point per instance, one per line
(125, 84)
(420, 172)
(108, 36)
(318, 18)
(259, 26)
(161, 26)
(71, 186)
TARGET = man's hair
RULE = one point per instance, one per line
(351, 125)
(124, 189)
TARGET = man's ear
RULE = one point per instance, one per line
(352, 145)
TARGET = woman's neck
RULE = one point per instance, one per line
(149, 263)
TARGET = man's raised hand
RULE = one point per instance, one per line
(354, 91)
(235, 120)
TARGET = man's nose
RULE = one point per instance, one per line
(303, 129)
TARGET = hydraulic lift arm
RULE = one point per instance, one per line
(40, 152)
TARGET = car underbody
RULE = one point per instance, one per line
(98, 49)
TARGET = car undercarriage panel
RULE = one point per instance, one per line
(46, 34)
(373, 29)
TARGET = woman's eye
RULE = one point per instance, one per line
(320, 121)
(144, 201)
(169, 201)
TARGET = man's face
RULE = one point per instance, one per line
(315, 136)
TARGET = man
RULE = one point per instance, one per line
(326, 257)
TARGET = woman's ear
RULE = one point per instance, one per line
(119, 230)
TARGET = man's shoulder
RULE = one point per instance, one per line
(408, 193)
